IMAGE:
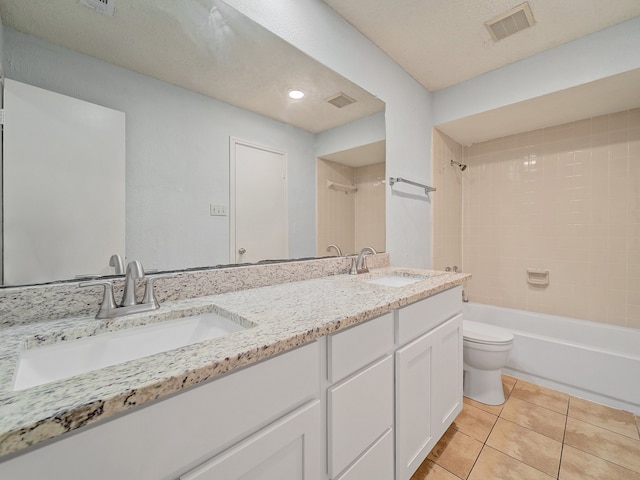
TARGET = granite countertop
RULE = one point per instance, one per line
(280, 317)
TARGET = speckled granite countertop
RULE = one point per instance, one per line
(280, 317)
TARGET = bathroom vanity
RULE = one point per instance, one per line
(340, 377)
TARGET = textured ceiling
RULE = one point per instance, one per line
(206, 46)
(202, 45)
(444, 42)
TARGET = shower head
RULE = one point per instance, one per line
(462, 167)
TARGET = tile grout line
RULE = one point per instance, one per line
(484, 443)
(564, 436)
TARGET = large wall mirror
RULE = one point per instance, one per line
(190, 76)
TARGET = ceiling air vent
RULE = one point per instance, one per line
(511, 22)
(340, 100)
(102, 6)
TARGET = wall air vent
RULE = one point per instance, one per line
(340, 100)
(102, 6)
(510, 22)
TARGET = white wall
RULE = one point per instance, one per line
(177, 154)
(367, 130)
(311, 26)
(1, 46)
(593, 57)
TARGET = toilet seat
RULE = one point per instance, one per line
(485, 334)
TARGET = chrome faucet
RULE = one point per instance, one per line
(134, 272)
(336, 248)
(110, 309)
(116, 262)
(359, 265)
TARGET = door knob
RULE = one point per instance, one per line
(242, 251)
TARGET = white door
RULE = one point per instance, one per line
(64, 185)
(258, 203)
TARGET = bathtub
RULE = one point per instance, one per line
(595, 361)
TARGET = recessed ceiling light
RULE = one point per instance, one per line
(296, 94)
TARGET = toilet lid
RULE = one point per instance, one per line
(485, 333)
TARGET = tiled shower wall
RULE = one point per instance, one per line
(355, 219)
(447, 202)
(564, 199)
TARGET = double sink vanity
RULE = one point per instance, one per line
(288, 371)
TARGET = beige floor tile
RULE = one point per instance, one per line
(608, 445)
(495, 465)
(456, 452)
(507, 384)
(534, 449)
(578, 465)
(431, 471)
(492, 409)
(542, 420)
(541, 396)
(475, 422)
(612, 419)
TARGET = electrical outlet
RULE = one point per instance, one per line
(217, 210)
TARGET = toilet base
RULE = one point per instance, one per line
(484, 386)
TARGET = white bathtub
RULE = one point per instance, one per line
(590, 360)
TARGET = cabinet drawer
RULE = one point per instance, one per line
(352, 349)
(289, 448)
(360, 409)
(423, 315)
(375, 464)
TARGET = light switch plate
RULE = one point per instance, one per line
(217, 210)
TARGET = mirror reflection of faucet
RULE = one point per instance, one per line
(110, 309)
(336, 248)
(116, 262)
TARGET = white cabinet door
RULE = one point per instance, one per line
(360, 410)
(376, 463)
(428, 393)
(447, 374)
(414, 436)
(289, 449)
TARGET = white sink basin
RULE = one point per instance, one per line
(41, 365)
(395, 280)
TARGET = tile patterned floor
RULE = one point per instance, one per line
(537, 434)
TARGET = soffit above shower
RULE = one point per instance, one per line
(608, 95)
(444, 42)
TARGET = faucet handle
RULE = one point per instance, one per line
(108, 305)
(149, 294)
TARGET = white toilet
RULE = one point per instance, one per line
(485, 350)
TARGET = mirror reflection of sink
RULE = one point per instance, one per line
(65, 359)
(398, 280)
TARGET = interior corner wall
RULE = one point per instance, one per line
(369, 207)
(447, 204)
(335, 213)
(318, 31)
